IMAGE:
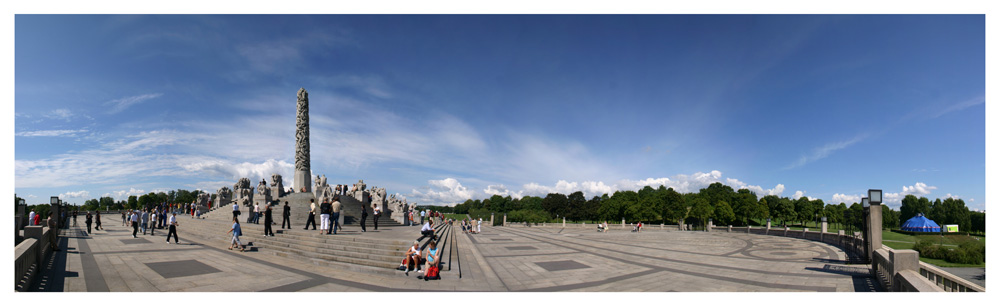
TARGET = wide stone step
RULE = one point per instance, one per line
(373, 249)
(326, 251)
(320, 257)
(350, 238)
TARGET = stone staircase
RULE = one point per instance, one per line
(349, 251)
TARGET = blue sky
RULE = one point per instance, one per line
(443, 108)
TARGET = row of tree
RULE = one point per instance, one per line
(148, 200)
(718, 202)
(947, 211)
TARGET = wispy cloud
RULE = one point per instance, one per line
(122, 104)
(824, 151)
(960, 106)
(49, 133)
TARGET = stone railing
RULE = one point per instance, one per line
(29, 254)
(897, 270)
(947, 281)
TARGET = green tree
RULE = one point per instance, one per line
(576, 201)
(590, 209)
(92, 204)
(744, 206)
(133, 202)
(701, 210)
(890, 218)
(785, 210)
(674, 207)
(913, 206)
(804, 209)
(645, 209)
(724, 213)
(107, 202)
(531, 203)
(978, 222)
(555, 204)
(772, 202)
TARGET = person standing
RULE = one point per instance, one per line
(125, 217)
(97, 221)
(53, 231)
(376, 211)
(335, 215)
(256, 213)
(75, 212)
(324, 216)
(312, 215)
(286, 213)
(89, 220)
(31, 217)
(237, 232)
(479, 226)
(364, 216)
(236, 209)
(268, 220)
(172, 222)
(134, 221)
(144, 220)
(422, 213)
(152, 222)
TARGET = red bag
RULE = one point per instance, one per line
(432, 272)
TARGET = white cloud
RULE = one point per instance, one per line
(82, 194)
(119, 105)
(918, 189)
(956, 197)
(124, 194)
(49, 133)
(824, 151)
(960, 106)
(846, 199)
(443, 192)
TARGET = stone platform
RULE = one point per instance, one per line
(499, 259)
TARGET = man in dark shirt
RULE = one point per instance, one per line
(285, 214)
(268, 221)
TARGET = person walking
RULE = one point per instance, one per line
(75, 212)
(335, 208)
(53, 231)
(89, 220)
(172, 222)
(237, 232)
(134, 221)
(324, 216)
(376, 212)
(125, 217)
(256, 213)
(312, 215)
(364, 216)
(286, 213)
(97, 221)
(144, 221)
(152, 222)
(236, 209)
(268, 220)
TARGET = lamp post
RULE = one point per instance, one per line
(54, 201)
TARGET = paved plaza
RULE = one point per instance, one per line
(500, 259)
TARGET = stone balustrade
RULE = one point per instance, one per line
(29, 254)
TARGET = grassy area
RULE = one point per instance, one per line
(455, 216)
(905, 242)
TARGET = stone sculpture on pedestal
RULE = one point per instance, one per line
(277, 186)
(223, 196)
(243, 193)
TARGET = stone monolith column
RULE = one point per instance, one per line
(302, 180)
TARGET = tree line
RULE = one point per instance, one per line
(148, 200)
(718, 202)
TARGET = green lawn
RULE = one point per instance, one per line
(905, 242)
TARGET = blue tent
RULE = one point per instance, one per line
(920, 224)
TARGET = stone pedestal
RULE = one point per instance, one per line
(564, 221)
(730, 230)
(491, 220)
(300, 180)
(504, 220)
(824, 227)
(709, 227)
(874, 238)
(768, 225)
(623, 222)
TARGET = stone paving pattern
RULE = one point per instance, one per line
(499, 259)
